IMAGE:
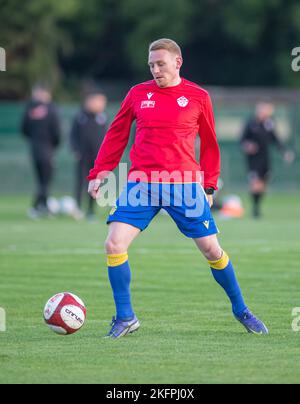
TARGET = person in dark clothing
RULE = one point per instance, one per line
(87, 134)
(259, 134)
(41, 128)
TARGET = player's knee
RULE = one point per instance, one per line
(212, 251)
(114, 246)
(257, 186)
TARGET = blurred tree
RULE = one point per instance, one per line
(238, 42)
(151, 20)
(98, 41)
(31, 36)
(246, 42)
(112, 38)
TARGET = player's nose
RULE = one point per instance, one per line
(156, 70)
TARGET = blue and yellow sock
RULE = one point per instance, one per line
(223, 273)
(120, 276)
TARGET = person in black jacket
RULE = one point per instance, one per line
(41, 127)
(258, 136)
(87, 134)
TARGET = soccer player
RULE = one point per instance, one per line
(170, 112)
(258, 137)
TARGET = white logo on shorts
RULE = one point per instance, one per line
(206, 224)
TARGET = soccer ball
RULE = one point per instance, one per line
(53, 206)
(65, 313)
(67, 206)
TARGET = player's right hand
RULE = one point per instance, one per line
(94, 188)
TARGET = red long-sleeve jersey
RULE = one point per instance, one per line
(168, 121)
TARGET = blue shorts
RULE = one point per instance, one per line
(140, 202)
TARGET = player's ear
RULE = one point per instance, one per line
(179, 62)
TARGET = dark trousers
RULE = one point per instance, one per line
(43, 169)
(82, 169)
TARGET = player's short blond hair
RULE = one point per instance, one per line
(167, 44)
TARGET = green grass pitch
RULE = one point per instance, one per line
(188, 334)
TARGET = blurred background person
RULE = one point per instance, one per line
(87, 134)
(258, 136)
(41, 127)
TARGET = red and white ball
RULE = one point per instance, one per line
(65, 313)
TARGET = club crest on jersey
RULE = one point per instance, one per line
(182, 102)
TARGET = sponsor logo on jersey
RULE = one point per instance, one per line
(182, 101)
(149, 95)
(148, 104)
